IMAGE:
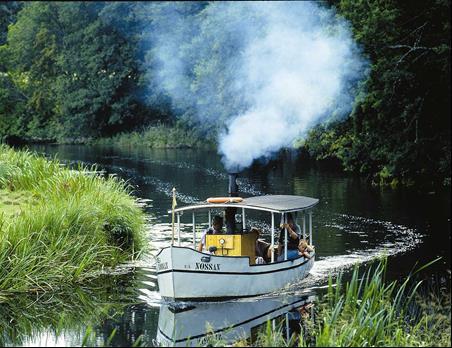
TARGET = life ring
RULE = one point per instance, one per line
(224, 199)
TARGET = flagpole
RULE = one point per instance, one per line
(172, 214)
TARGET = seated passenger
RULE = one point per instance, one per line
(217, 225)
(263, 249)
(293, 239)
(304, 249)
(229, 215)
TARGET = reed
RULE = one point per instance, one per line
(369, 311)
(73, 224)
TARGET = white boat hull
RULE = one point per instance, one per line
(186, 274)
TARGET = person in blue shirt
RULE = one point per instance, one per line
(293, 239)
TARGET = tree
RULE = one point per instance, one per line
(8, 14)
(399, 130)
(100, 74)
(77, 72)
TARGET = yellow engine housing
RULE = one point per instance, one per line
(233, 245)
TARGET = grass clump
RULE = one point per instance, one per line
(371, 312)
(11, 203)
(68, 225)
(159, 137)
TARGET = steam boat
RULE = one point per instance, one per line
(228, 268)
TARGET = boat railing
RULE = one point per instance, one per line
(306, 218)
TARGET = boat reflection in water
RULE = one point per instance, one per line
(194, 324)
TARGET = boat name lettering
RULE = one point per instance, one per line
(162, 266)
(208, 266)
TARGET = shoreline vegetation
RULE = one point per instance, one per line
(61, 226)
(166, 136)
(368, 311)
(160, 136)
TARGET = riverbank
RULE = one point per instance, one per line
(164, 136)
(61, 226)
(367, 311)
(159, 137)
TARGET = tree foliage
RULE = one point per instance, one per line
(399, 130)
(88, 69)
(8, 14)
(76, 73)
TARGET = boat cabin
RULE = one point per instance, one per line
(243, 242)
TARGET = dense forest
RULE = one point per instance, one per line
(74, 71)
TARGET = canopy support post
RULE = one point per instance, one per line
(178, 228)
(210, 219)
(243, 219)
(194, 230)
(304, 225)
(273, 238)
(285, 236)
(310, 227)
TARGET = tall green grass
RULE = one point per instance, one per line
(368, 311)
(372, 312)
(11, 203)
(77, 223)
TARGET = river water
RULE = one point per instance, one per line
(354, 223)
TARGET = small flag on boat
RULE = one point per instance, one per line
(174, 198)
(172, 214)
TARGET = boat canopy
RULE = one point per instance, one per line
(271, 203)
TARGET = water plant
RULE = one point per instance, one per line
(73, 224)
(369, 311)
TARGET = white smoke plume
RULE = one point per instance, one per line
(279, 69)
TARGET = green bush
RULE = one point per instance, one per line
(77, 224)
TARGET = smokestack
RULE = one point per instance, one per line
(233, 187)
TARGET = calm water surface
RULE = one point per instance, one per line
(353, 223)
